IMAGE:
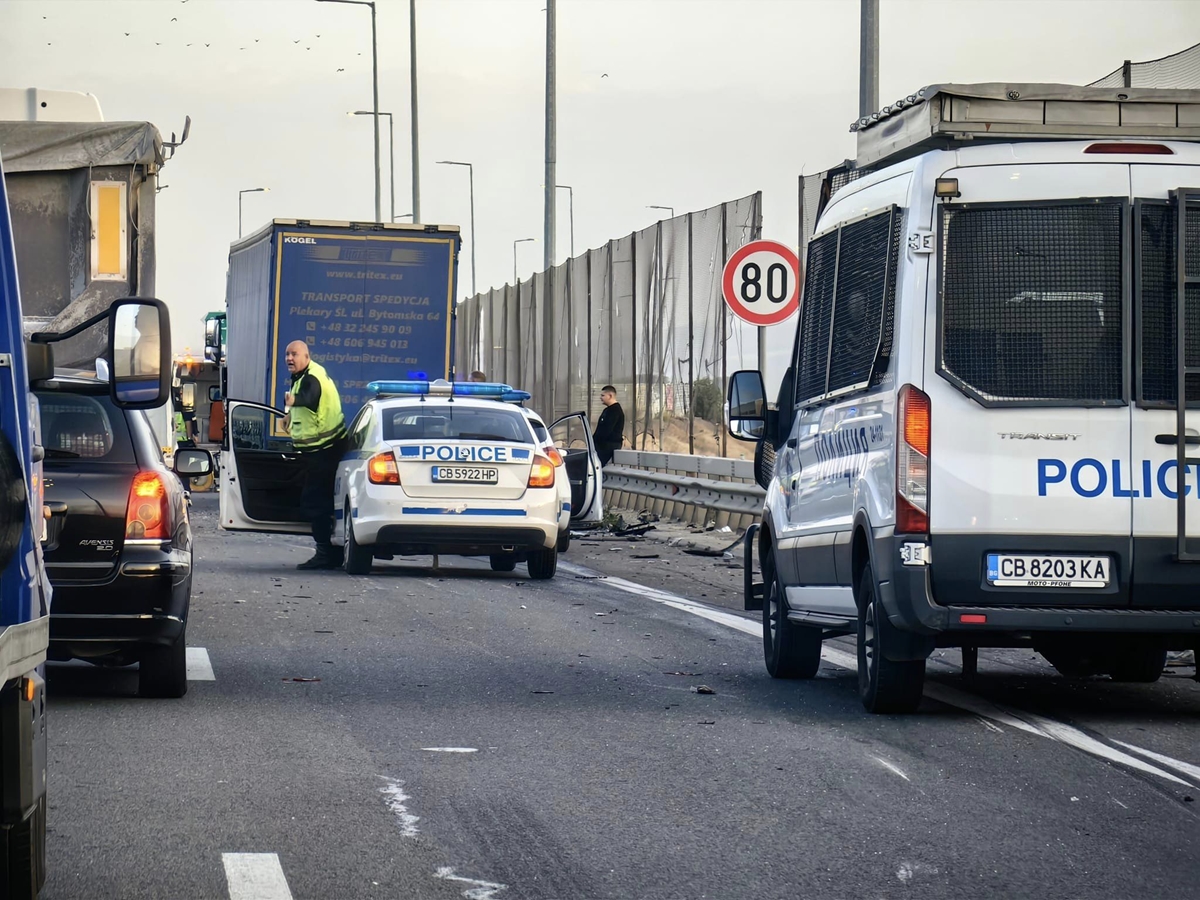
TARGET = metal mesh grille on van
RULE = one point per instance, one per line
(889, 301)
(821, 274)
(1031, 301)
(858, 312)
(1158, 287)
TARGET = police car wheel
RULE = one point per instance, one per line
(790, 650)
(564, 541)
(505, 563)
(543, 564)
(162, 671)
(884, 685)
(358, 559)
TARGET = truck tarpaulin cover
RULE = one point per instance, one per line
(55, 146)
(371, 308)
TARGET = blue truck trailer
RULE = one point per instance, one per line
(373, 302)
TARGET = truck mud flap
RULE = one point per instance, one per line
(752, 591)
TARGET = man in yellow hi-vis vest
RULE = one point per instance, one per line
(318, 431)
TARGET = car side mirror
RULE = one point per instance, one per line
(214, 394)
(139, 353)
(192, 462)
(747, 406)
(39, 359)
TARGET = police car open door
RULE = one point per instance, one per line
(261, 472)
(573, 438)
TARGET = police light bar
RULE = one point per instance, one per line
(443, 388)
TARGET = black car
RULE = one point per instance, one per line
(121, 565)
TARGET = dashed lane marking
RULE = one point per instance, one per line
(479, 890)
(199, 667)
(255, 876)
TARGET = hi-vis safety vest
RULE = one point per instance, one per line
(318, 430)
(180, 428)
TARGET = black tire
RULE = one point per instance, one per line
(1139, 664)
(543, 564)
(564, 541)
(25, 855)
(162, 671)
(357, 559)
(1072, 662)
(884, 686)
(789, 650)
(503, 563)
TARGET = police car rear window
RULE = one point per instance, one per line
(440, 422)
(79, 426)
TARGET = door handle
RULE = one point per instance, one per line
(1173, 439)
(290, 457)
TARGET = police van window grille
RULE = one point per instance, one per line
(859, 302)
(1031, 301)
(884, 358)
(816, 313)
(1159, 287)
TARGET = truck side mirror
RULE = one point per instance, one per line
(139, 353)
(39, 358)
(747, 406)
(214, 394)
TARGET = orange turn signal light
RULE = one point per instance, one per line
(28, 689)
(541, 473)
(382, 469)
(555, 456)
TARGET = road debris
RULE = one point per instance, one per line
(301, 679)
(702, 689)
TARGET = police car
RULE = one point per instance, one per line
(435, 468)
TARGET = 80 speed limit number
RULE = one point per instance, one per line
(761, 283)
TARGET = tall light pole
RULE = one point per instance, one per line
(391, 152)
(246, 191)
(868, 59)
(516, 280)
(571, 206)
(412, 77)
(375, 88)
(471, 176)
(670, 209)
(548, 311)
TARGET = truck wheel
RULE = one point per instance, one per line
(884, 686)
(789, 650)
(162, 671)
(543, 564)
(1140, 663)
(358, 559)
(25, 855)
(503, 563)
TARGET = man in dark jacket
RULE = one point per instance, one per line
(610, 429)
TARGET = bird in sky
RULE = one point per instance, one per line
(605, 75)
(157, 43)
(341, 70)
(256, 40)
(208, 45)
(174, 20)
(127, 34)
(295, 42)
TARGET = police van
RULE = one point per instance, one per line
(980, 441)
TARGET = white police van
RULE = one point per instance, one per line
(978, 443)
(431, 468)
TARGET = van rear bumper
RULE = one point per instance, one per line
(908, 595)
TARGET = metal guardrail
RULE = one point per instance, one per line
(695, 489)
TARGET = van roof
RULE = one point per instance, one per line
(942, 116)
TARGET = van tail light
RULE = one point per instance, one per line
(148, 516)
(912, 462)
(555, 456)
(1130, 147)
(382, 469)
(541, 473)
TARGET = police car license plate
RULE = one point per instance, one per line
(1005, 570)
(465, 475)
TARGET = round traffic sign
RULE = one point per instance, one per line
(761, 283)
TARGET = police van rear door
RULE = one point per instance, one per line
(459, 450)
(1156, 521)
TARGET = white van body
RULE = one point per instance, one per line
(1030, 309)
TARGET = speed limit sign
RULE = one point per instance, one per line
(761, 283)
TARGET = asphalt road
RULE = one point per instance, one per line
(457, 733)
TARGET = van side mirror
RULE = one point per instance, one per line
(747, 406)
(39, 359)
(139, 353)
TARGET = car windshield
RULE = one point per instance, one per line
(430, 422)
(80, 426)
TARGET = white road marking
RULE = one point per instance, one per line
(1028, 722)
(894, 769)
(199, 667)
(1177, 764)
(450, 749)
(395, 798)
(483, 890)
(255, 876)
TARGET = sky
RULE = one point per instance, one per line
(680, 103)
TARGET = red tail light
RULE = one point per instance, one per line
(1126, 147)
(555, 456)
(541, 473)
(912, 462)
(148, 515)
(382, 469)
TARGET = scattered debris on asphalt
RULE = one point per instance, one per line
(643, 555)
(707, 722)
(687, 674)
(702, 689)
(541, 692)
(301, 679)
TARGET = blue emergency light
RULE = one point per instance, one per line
(443, 388)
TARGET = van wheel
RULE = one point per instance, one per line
(1139, 664)
(162, 671)
(358, 559)
(543, 564)
(789, 650)
(504, 563)
(884, 686)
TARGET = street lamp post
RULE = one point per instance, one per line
(375, 89)
(471, 177)
(571, 207)
(246, 191)
(670, 209)
(516, 280)
(391, 153)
